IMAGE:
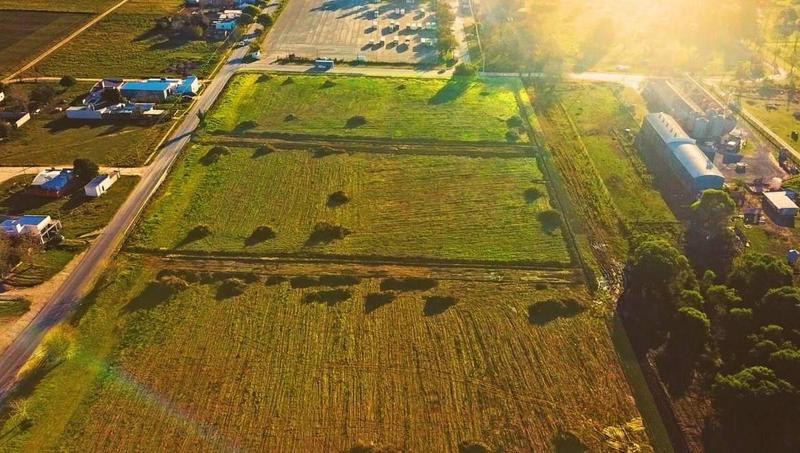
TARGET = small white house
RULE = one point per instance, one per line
(100, 184)
(40, 226)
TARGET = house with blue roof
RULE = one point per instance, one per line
(146, 90)
(52, 183)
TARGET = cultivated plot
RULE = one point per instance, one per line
(349, 29)
(459, 109)
(28, 33)
(453, 207)
(83, 6)
(283, 368)
(127, 44)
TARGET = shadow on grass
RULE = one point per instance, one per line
(325, 233)
(375, 301)
(454, 89)
(549, 310)
(260, 234)
(408, 284)
(566, 442)
(436, 305)
(197, 233)
(330, 297)
(153, 295)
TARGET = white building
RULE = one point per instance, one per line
(40, 226)
(100, 184)
(781, 204)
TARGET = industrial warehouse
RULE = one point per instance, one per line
(664, 144)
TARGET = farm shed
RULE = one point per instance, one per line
(781, 205)
(52, 183)
(148, 90)
(40, 226)
(666, 145)
(100, 184)
(188, 86)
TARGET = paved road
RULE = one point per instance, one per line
(61, 43)
(97, 256)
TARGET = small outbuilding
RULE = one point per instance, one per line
(100, 184)
(39, 226)
(781, 205)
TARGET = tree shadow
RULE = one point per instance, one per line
(153, 295)
(259, 235)
(325, 233)
(436, 305)
(197, 233)
(330, 297)
(245, 126)
(544, 312)
(567, 442)
(408, 284)
(453, 89)
(375, 301)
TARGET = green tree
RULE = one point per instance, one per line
(786, 363)
(67, 81)
(658, 270)
(690, 332)
(245, 19)
(84, 169)
(780, 306)
(251, 10)
(753, 275)
(265, 20)
(713, 210)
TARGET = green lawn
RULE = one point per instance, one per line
(28, 33)
(599, 112)
(457, 109)
(51, 139)
(400, 206)
(79, 215)
(125, 44)
(781, 120)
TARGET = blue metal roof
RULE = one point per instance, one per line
(186, 86)
(58, 183)
(146, 86)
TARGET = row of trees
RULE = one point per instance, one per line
(736, 330)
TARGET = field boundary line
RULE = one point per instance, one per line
(353, 259)
(65, 41)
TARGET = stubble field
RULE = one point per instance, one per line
(270, 370)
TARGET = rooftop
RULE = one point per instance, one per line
(780, 200)
(147, 86)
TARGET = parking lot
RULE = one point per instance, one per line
(401, 31)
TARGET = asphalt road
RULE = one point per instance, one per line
(88, 270)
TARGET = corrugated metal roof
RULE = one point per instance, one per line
(683, 147)
(780, 200)
(146, 86)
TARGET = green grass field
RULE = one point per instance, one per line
(268, 371)
(400, 206)
(124, 44)
(458, 109)
(28, 33)
(599, 112)
(51, 139)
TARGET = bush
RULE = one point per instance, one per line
(435, 305)
(551, 219)
(42, 94)
(213, 155)
(197, 233)
(6, 129)
(265, 20)
(173, 283)
(376, 300)
(245, 19)
(465, 69)
(512, 136)
(552, 309)
(251, 10)
(337, 199)
(260, 234)
(408, 284)
(263, 150)
(533, 194)
(473, 446)
(338, 280)
(515, 122)
(231, 287)
(67, 81)
(329, 297)
(356, 121)
(14, 307)
(325, 233)
(328, 84)
(288, 81)
(290, 117)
